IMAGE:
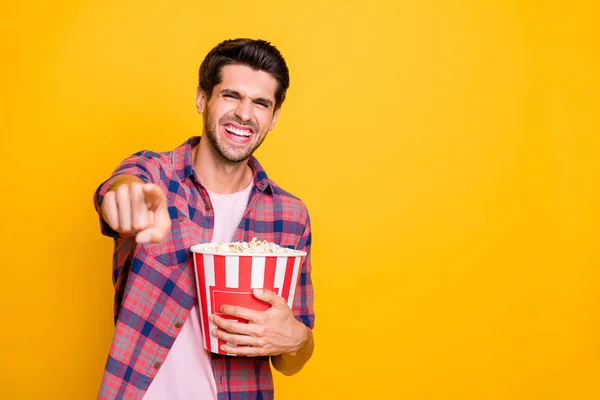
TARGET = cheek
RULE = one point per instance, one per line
(265, 122)
(219, 111)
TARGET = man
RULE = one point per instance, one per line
(157, 205)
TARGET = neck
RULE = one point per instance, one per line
(217, 174)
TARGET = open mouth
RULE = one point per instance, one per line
(236, 134)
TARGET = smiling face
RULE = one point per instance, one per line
(240, 111)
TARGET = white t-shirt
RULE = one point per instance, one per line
(187, 372)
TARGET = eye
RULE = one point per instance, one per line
(229, 96)
(262, 104)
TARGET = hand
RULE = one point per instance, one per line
(267, 333)
(138, 207)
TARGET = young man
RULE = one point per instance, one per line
(157, 205)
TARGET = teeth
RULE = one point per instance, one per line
(240, 132)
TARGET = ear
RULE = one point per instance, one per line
(200, 100)
(275, 116)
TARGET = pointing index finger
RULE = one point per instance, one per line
(154, 195)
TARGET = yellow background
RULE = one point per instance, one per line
(447, 150)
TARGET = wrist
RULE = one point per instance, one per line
(303, 335)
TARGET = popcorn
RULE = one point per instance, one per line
(254, 247)
(226, 273)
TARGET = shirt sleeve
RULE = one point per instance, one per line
(304, 298)
(143, 165)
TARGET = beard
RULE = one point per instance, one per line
(227, 151)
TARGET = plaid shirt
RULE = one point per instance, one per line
(155, 285)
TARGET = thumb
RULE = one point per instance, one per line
(269, 297)
(151, 235)
(157, 232)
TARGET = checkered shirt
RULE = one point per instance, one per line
(155, 285)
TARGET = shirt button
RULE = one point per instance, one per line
(178, 325)
(181, 219)
(208, 207)
(157, 365)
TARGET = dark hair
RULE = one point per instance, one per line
(256, 54)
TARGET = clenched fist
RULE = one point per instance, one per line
(132, 206)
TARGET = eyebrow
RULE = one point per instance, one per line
(268, 102)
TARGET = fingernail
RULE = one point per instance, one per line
(143, 238)
(258, 292)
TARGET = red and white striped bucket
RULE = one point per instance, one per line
(228, 279)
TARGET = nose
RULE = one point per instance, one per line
(244, 110)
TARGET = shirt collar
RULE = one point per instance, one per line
(183, 161)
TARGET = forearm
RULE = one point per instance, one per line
(290, 364)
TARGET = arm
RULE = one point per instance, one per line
(280, 332)
(291, 363)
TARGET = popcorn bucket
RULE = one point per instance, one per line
(225, 278)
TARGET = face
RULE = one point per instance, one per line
(240, 112)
